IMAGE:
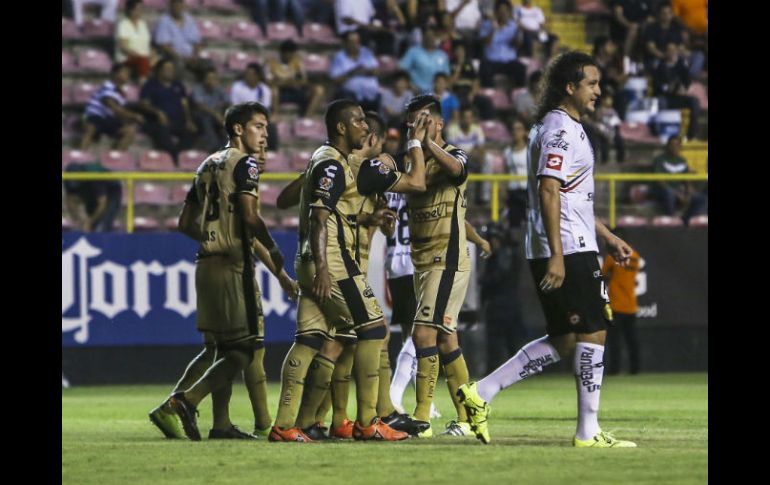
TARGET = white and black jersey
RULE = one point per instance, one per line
(559, 148)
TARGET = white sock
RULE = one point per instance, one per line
(406, 367)
(528, 361)
(589, 370)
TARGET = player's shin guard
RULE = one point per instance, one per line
(456, 371)
(384, 404)
(528, 361)
(406, 364)
(427, 373)
(293, 373)
(255, 379)
(589, 371)
(326, 405)
(341, 385)
(366, 365)
(317, 382)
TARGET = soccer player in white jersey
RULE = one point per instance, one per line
(562, 252)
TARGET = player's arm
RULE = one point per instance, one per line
(618, 248)
(454, 165)
(550, 204)
(290, 195)
(287, 284)
(322, 283)
(187, 223)
(475, 238)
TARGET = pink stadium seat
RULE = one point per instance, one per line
(66, 94)
(216, 57)
(145, 224)
(179, 193)
(320, 34)
(224, 5)
(638, 132)
(211, 30)
(82, 92)
(317, 63)
(532, 64)
(119, 161)
(132, 92)
(239, 60)
(387, 64)
(76, 156)
(699, 221)
(245, 31)
(631, 221)
(300, 160)
(284, 130)
(280, 31)
(639, 193)
(666, 221)
(277, 162)
(156, 161)
(495, 130)
(268, 194)
(94, 60)
(191, 159)
(69, 30)
(171, 223)
(67, 62)
(98, 28)
(309, 129)
(156, 4)
(591, 7)
(150, 193)
(499, 98)
(699, 91)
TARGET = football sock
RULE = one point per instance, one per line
(406, 365)
(317, 382)
(589, 371)
(456, 371)
(427, 373)
(384, 404)
(366, 364)
(220, 404)
(293, 373)
(326, 405)
(341, 385)
(255, 379)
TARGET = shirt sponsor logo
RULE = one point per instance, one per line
(558, 141)
(554, 161)
(429, 213)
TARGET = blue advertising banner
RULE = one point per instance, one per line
(139, 289)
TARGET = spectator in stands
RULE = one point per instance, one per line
(525, 101)
(610, 65)
(515, 157)
(670, 81)
(663, 31)
(392, 144)
(106, 112)
(289, 78)
(603, 129)
(354, 70)
(420, 11)
(449, 102)
(276, 11)
(350, 15)
(177, 36)
(531, 20)
(467, 135)
(628, 20)
(109, 10)
(209, 102)
(694, 15)
(466, 17)
(254, 87)
(465, 82)
(132, 41)
(423, 62)
(394, 99)
(502, 37)
(446, 35)
(165, 98)
(93, 205)
(673, 195)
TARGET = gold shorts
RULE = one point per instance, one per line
(440, 295)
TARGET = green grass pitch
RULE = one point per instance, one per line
(108, 439)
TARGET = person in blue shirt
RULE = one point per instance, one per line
(177, 36)
(423, 62)
(354, 71)
(501, 37)
(449, 102)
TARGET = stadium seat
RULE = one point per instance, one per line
(67, 62)
(317, 63)
(239, 60)
(179, 193)
(246, 32)
(388, 64)
(631, 221)
(638, 132)
(76, 156)
(191, 159)
(217, 58)
(300, 160)
(320, 34)
(591, 7)
(277, 162)
(699, 221)
(98, 28)
(284, 130)
(152, 194)
(280, 31)
(268, 194)
(638, 193)
(500, 100)
(223, 5)
(118, 161)
(156, 161)
(495, 131)
(309, 129)
(666, 221)
(145, 224)
(94, 60)
(66, 94)
(69, 30)
(157, 4)
(211, 30)
(82, 92)
(270, 221)
(66, 224)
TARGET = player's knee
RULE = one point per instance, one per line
(423, 336)
(372, 332)
(332, 349)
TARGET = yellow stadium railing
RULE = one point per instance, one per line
(496, 180)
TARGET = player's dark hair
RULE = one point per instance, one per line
(240, 114)
(422, 101)
(376, 123)
(564, 69)
(338, 111)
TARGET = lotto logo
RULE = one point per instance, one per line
(554, 161)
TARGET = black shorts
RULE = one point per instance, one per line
(105, 126)
(577, 306)
(404, 302)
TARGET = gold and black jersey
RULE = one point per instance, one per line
(218, 182)
(329, 184)
(437, 218)
(365, 204)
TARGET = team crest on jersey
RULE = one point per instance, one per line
(383, 169)
(573, 318)
(325, 183)
(253, 173)
(554, 161)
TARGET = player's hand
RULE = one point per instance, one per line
(554, 275)
(383, 216)
(289, 286)
(419, 128)
(486, 248)
(322, 286)
(620, 250)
